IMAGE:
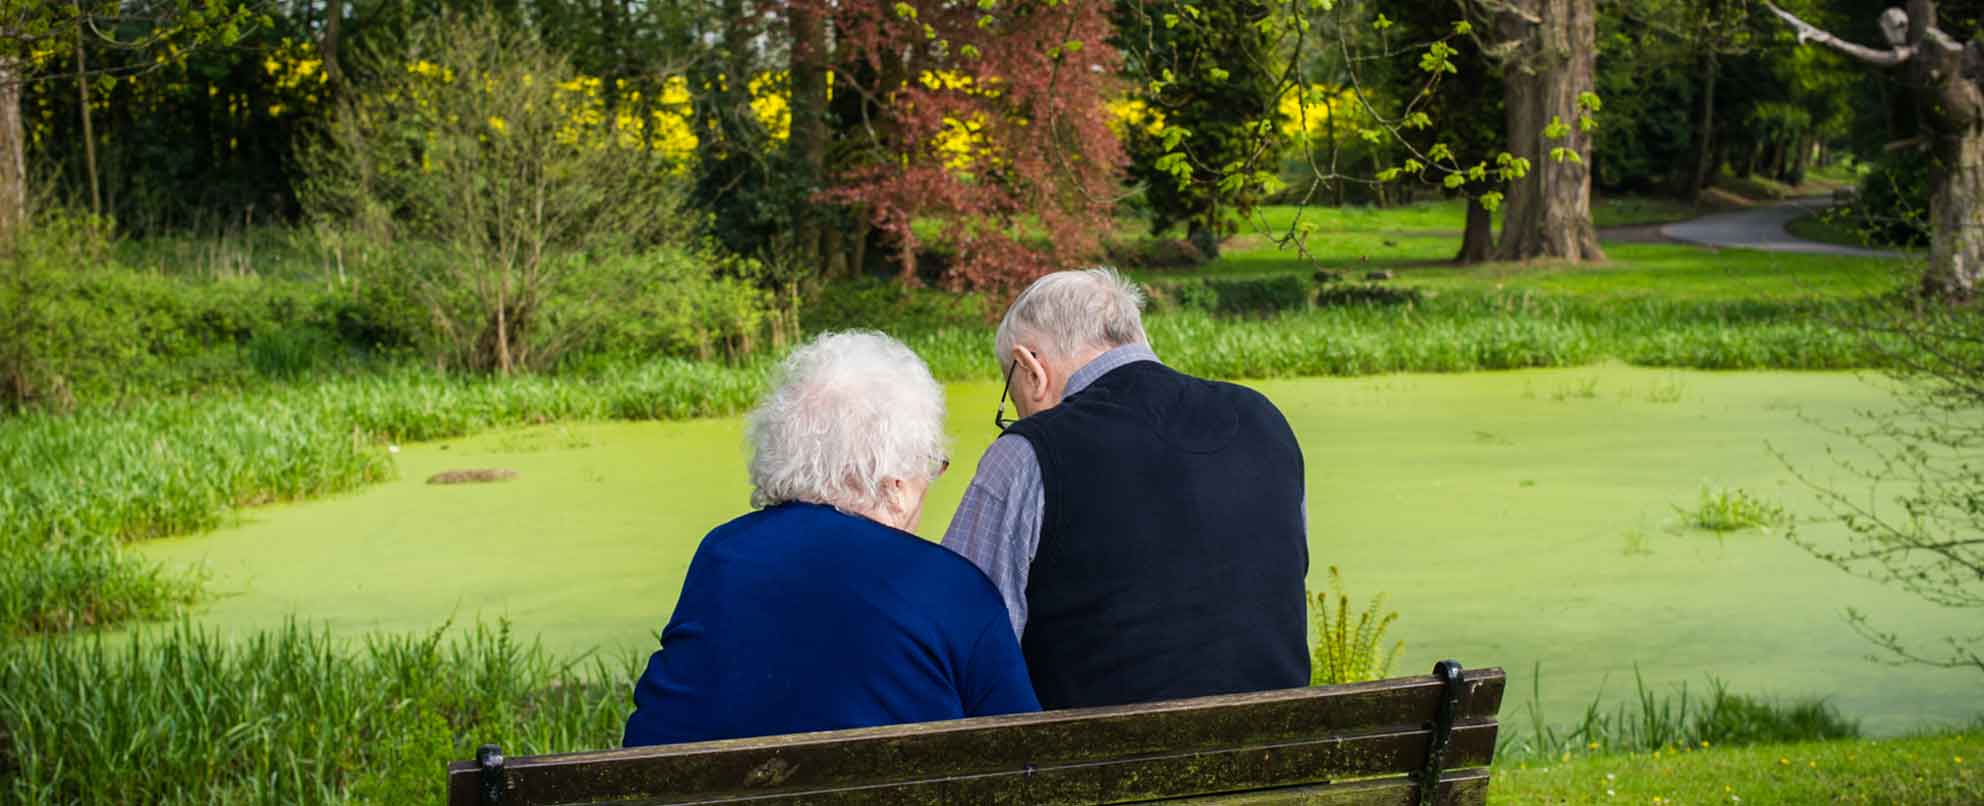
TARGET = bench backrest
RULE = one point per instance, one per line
(1299, 743)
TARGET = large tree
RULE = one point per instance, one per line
(1943, 76)
(1206, 69)
(991, 130)
(1464, 100)
(1548, 49)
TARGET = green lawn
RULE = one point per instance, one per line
(1937, 769)
(1417, 242)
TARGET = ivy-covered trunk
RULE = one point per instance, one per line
(13, 156)
(1546, 82)
(1956, 213)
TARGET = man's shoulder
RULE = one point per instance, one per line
(1009, 459)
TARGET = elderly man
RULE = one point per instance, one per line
(1145, 527)
(821, 610)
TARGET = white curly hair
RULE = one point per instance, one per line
(848, 411)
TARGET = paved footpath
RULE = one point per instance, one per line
(1763, 228)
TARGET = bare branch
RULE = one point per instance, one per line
(1812, 33)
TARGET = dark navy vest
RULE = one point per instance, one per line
(1172, 551)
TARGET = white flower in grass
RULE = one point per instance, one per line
(392, 449)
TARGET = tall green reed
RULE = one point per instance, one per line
(180, 715)
(1652, 721)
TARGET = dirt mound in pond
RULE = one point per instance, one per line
(475, 476)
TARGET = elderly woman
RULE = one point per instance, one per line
(820, 610)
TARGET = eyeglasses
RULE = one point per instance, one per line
(999, 419)
(940, 467)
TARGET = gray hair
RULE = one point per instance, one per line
(847, 412)
(1070, 311)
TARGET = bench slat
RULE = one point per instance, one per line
(1463, 788)
(999, 747)
(1126, 780)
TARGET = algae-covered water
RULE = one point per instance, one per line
(1513, 518)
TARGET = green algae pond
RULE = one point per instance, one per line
(1534, 519)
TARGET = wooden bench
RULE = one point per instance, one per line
(1290, 746)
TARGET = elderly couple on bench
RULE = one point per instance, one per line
(1136, 535)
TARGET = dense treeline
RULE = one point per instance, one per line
(205, 136)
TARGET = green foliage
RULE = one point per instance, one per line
(1652, 721)
(1914, 511)
(77, 328)
(477, 147)
(181, 715)
(77, 583)
(1733, 511)
(874, 303)
(1241, 295)
(1892, 205)
(1205, 69)
(664, 302)
(1347, 654)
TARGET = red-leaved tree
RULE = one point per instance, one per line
(989, 126)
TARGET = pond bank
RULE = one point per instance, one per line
(1514, 519)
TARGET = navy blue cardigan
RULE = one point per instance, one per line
(799, 618)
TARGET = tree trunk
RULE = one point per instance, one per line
(1956, 215)
(1548, 213)
(1704, 131)
(1203, 238)
(13, 157)
(1477, 243)
(89, 130)
(807, 144)
(333, 14)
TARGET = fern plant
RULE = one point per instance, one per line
(1345, 653)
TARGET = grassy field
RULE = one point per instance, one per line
(1931, 769)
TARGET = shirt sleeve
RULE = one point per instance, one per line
(996, 680)
(997, 526)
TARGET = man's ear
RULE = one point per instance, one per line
(1037, 376)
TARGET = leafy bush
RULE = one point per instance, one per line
(1245, 295)
(662, 302)
(1344, 654)
(1892, 206)
(480, 144)
(885, 305)
(77, 328)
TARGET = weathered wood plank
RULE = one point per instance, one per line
(997, 746)
(1118, 780)
(1463, 788)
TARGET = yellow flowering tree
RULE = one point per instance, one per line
(483, 150)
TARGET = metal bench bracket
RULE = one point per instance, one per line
(1448, 673)
(489, 765)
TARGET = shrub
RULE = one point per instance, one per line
(1892, 206)
(883, 305)
(1734, 511)
(1246, 295)
(76, 327)
(481, 144)
(1344, 654)
(662, 302)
